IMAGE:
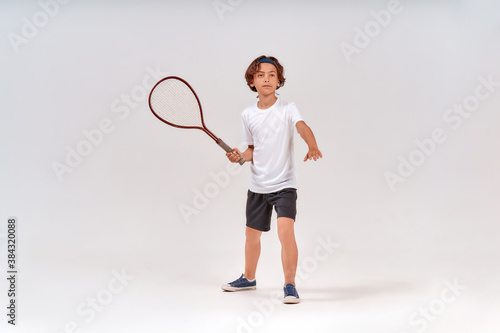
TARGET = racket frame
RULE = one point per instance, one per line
(204, 128)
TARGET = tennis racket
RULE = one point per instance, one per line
(173, 101)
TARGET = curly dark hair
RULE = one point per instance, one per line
(255, 66)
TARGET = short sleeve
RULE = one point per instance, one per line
(293, 114)
(246, 133)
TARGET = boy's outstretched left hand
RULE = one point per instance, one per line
(313, 154)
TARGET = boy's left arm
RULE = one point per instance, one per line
(308, 136)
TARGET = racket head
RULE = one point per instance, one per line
(173, 101)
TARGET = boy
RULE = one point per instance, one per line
(268, 128)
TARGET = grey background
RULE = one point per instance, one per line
(119, 210)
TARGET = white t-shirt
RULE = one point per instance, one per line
(271, 133)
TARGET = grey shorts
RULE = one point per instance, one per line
(260, 207)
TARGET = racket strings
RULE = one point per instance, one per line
(174, 102)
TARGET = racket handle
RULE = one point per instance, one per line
(228, 149)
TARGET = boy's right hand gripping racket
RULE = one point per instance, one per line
(173, 101)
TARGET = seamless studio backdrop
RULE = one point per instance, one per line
(125, 224)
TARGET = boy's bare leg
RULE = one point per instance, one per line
(289, 251)
(252, 252)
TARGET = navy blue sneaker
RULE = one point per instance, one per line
(242, 283)
(291, 294)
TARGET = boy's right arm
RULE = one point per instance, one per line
(235, 155)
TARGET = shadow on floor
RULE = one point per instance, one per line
(338, 294)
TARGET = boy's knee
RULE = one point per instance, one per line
(285, 227)
(253, 233)
(285, 223)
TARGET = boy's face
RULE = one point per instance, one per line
(266, 79)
